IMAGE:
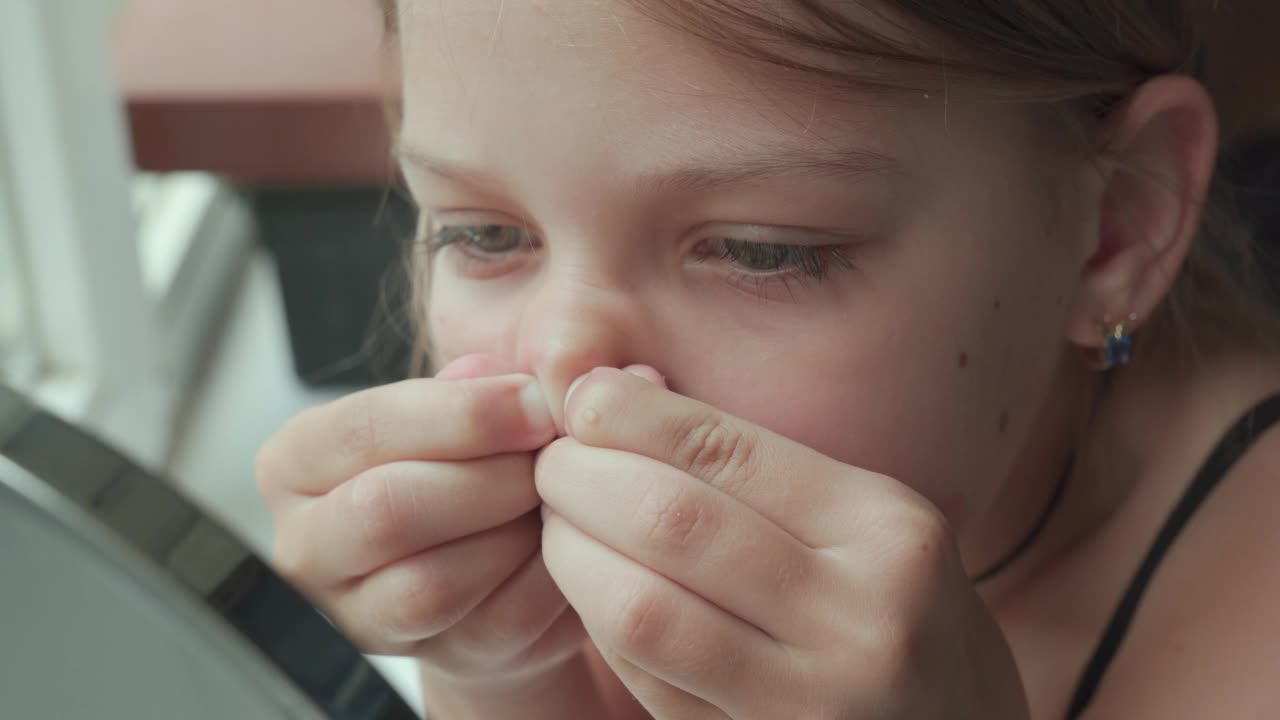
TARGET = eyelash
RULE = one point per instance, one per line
(815, 262)
(468, 237)
(809, 263)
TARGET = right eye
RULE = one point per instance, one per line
(482, 242)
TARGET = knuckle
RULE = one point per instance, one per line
(511, 627)
(368, 633)
(376, 509)
(293, 548)
(290, 558)
(643, 622)
(425, 603)
(268, 469)
(931, 533)
(921, 554)
(277, 459)
(707, 447)
(676, 521)
(507, 623)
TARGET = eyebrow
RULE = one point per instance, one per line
(701, 175)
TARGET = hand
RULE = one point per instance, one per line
(409, 513)
(725, 571)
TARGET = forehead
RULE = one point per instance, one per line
(598, 74)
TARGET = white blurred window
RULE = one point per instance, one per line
(109, 282)
(18, 356)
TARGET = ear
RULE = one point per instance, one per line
(1159, 149)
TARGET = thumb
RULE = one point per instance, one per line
(645, 371)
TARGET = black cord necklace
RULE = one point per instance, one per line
(1004, 562)
(1058, 491)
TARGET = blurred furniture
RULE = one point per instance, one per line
(285, 97)
(269, 92)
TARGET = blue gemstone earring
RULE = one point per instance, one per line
(1117, 343)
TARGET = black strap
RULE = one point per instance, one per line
(1234, 444)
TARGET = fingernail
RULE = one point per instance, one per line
(573, 387)
(535, 406)
(648, 373)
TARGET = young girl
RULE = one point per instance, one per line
(810, 359)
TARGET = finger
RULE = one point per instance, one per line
(805, 493)
(661, 628)
(509, 622)
(685, 530)
(399, 509)
(412, 420)
(561, 641)
(660, 699)
(476, 365)
(419, 597)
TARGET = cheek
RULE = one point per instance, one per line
(934, 388)
(898, 410)
(460, 323)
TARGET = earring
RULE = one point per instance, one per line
(1117, 342)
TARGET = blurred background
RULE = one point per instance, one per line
(198, 231)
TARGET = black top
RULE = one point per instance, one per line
(1230, 449)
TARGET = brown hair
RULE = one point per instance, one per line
(1080, 56)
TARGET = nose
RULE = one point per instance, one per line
(571, 325)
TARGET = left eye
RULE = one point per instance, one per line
(768, 258)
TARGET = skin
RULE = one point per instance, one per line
(903, 420)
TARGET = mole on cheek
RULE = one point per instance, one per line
(964, 360)
(996, 305)
(1004, 421)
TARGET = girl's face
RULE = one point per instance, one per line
(885, 280)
